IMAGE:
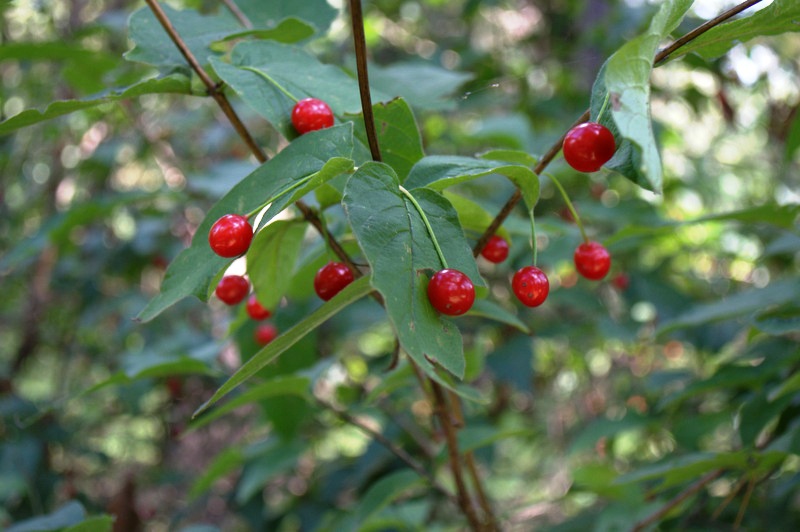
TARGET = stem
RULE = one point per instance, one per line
(422, 215)
(360, 44)
(399, 452)
(570, 207)
(602, 109)
(238, 13)
(240, 128)
(486, 506)
(270, 80)
(464, 501)
(556, 147)
(534, 247)
(299, 183)
(675, 501)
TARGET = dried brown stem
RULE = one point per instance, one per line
(238, 13)
(548, 157)
(490, 521)
(360, 44)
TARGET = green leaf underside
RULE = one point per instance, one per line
(271, 77)
(780, 16)
(298, 386)
(353, 292)
(172, 84)
(193, 269)
(625, 77)
(401, 255)
(493, 311)
(438, 172)
(398, 135)
(423, 85)
(271, 259)
(385, 490)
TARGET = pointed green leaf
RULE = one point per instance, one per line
(423, 85)
(778, 17)
(318, 13)
(222, 464)
(172, 84)
(271, 77)
(193, 269)
(271, 259)
(493, 311)
(399, 249)
(439, 172)
(353, 292)
(625, 78)
(472, 217)
(385, 490)
(398, 135)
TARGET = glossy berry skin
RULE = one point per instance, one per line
(255, 310)
(311, 114)
(232, 289)
(588, 146)
(592, 260)
(230, 236)
(495, 250)
(331, 279)
(531, 286)
(451, 292)
(265, 333)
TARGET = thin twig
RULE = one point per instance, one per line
(464, 501)
(241, 129)
(238, 13)
(745, 502)
(675, 501)
(360, 44)
(488, 513)
(396, 450)
(556, 147)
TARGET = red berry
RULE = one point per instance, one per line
(451, 292)
(331, 279)
(255, 310)
(230, 236)
(621, 282)
(531, 286)
(311, 114)
(495, 250)
(232, 289)
(588, 146)
(592, 260)
(265, 333)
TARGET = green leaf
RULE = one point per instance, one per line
(276, 459)
(399, 249)
(193, 269)
(271, 77)
(222, 464)
(385, 490)
(474, 219)
(398, 135)
(782, 320)
(298, 386)
(740, 304)
(354, 291)
(423, 85)
(99, 523)
(69, 514)
(333, 168)
(318, 13)
(438, 172)
(152, 45)
(271, 259)
(625, 78)
(756, 413)
(491, 310)
(778, 17)
(172, 84)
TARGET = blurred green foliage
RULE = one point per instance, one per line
(681, 365)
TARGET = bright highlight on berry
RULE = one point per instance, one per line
(531, 286)
(588, 146)
(232, 289)
(331, 279)
(592, 260)
(496, 249)
(451, 292)
(311, 114)
(230, 236)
